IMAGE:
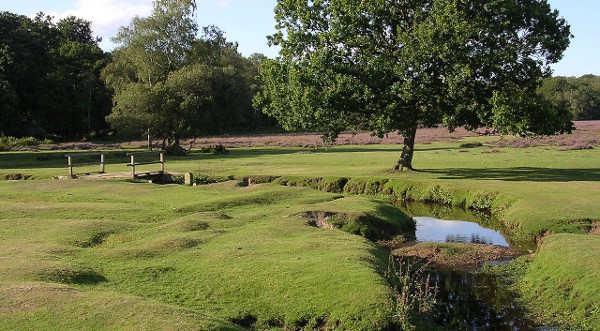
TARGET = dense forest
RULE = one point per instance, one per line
(56, 82)
(50, 77)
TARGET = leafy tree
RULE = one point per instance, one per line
(580, 96)
(26, 45)
(392, 65)
(78, 63)
(49, 77)
(151, 49)
(170, 83)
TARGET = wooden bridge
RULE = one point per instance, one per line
(72, 166)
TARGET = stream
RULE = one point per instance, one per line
(468, 300)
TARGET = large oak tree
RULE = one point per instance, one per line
(392, 65)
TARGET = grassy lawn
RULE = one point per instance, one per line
(537, 182)
(222, 253)
(193, 258)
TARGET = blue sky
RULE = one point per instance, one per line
(248, 22)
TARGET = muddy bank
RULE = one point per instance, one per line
(455, 256)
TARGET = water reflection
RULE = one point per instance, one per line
(436, 230)
(468, 301)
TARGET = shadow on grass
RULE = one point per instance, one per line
(532, 174)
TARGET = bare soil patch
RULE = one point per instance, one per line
(595, 228)
(455, 256)
(321, 219)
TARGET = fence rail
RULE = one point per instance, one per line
(71, 164)
(133, 164)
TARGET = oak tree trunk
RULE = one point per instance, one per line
(405, 162)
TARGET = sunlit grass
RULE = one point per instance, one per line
(215, 254)
(226, 252)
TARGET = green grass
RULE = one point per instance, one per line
(131, 234)
(211, 254)
(563, 281)
(537, 182)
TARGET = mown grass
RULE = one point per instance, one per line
(534, 191)
(197, 258)
(563, 281)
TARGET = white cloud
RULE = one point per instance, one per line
(107, 16)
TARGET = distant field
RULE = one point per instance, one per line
(134, 240)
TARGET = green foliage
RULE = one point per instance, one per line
(389, 66)
(481, 201)
(10, 143)
(170, 84)
(49, 77)
(580, 96)
(414, 295)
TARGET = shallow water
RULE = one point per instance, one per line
(469, 300)
(478, 227)
(432, 229)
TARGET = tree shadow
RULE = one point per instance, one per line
(532, 174)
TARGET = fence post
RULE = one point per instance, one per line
(162, 163)
(70, 165)
(132, 166)
(101, 163)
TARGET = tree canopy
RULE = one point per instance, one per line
(49, 77)
(580, 96)
(391, 65)
(172, 82)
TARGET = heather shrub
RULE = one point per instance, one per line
(470, 145)
(10, 143)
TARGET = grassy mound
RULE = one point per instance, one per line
(43, 306)
(219, 255)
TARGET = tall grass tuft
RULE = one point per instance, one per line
(414, 295)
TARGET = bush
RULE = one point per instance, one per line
(470, 145)
(175, 150)
(10, 143)
(217, 149)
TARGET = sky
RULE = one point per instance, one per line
(248, 22)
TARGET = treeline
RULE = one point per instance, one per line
(167, 78)
(50, 77)
(581, 96)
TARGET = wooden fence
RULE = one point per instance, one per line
(133, 164)
(71, 162)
